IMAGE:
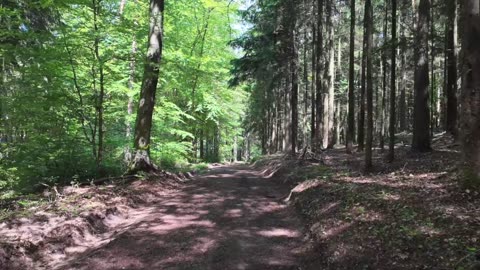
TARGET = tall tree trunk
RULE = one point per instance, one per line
(451, 118)
(319, 77)
(402, 110)
(331, 85)
(421, 114)
(130, 85)
(329, 81)
(313, 95)
(470, 98)
(306, 89)
(393, 85)
(288, 111)
(143, 124)
(384, 80)
(361, 114)
(369, 34)
(351, 83)
(101, 96)
(294, 95)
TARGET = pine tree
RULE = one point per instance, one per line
(470, 98)
(421, 114)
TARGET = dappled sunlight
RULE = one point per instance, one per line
(397, 214)
(229, 221)
(279, 232)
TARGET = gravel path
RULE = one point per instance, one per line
(230, 218)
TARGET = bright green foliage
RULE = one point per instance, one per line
(51, 80)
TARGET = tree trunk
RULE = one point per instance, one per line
(294, 95)
(331, 74)
(329, 81)
(421, 114)
(393, 85)
(384, 80)
(130, 85)
(402, 110)
(313, 100)
(451, 117)
(470, 98)
(351, 83)
(369, 34)
(306, 90)
(101, 96)
(319, 77)
(143, 124)
(361, 115)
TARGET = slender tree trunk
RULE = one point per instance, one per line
(130, 85)
(288, 111)
(402, 110)
(313, 99)
(101, 95)
(306, 89)
(331, 85)
(451, 119)
(294, 95)
(470, 98)
(319, 77)
(339, 105)
(421, 114)
(351, 83)
(361, 115)
(143, 125)
(329, 110)
(369, 34)
(393, 85)
(384, 80)
(202, 146)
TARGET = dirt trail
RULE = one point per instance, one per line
(231, 218)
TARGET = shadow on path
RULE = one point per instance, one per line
(231, 218)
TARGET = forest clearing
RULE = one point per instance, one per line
(240, 134)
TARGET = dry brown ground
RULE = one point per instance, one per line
(229, 218)
(411, 214)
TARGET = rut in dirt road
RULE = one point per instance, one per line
(231, 218)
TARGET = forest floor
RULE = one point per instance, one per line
(280, 213)
(410, 214)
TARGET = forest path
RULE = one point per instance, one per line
(230, 218)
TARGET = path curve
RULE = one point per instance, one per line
(231, 218)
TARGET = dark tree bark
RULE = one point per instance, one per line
(369, 86)
(421, 113)
(319, 77)
(402, 110)
(432, 71)
(470, 98)
(451, 117)
(143, 125)
(351, 83)
(294, 95)
(330, 79)
(393, 85)
(361, 115)
(313, 99)
(384, 80)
